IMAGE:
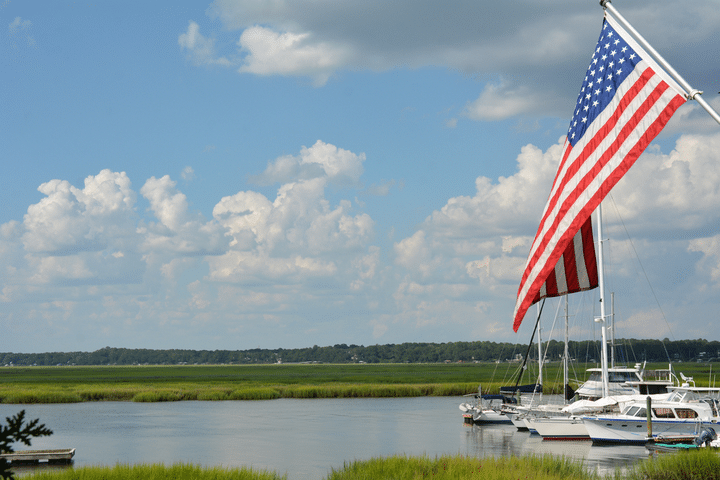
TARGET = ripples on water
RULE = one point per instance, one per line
(303, 438)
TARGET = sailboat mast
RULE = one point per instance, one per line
(612, 330)
(540, 358)
(566, 373)
(601, 319)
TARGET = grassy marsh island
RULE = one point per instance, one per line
(71, 384)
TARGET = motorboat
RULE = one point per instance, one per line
(685, 411)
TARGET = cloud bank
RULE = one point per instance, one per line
(298, 262)
(530, 53)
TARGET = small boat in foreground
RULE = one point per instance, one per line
(36, 456)
(706, 439)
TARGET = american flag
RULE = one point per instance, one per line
(625, 101)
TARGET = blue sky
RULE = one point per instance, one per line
(243, 174)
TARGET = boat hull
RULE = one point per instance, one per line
(558, 428)
(612, 430)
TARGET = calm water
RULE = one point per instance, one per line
(303, 438)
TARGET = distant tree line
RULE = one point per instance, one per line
(627, 351)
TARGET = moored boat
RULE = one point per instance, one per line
(486, 409)
(684, 412)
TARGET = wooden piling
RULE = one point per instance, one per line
(648, 408)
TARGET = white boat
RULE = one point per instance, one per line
(683, 412)
(626, 381)
(485, 409)
(558, 427)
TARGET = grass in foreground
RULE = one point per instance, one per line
(395, 468)
(458, 467)
(179, 471)
(702, 464)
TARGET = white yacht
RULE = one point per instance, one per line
(683, 412)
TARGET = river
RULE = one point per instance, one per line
(302, 438)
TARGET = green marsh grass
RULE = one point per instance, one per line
(457, 467)
(394, 467)
(701, 464)
(178, 471)
(69, 384)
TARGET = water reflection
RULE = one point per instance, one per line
(495, 440)
(502, 440)
(303, 438)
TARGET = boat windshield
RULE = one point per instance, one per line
(622, 377)
(635, 411)
(683, 396)
(631, 411)
(615, 377)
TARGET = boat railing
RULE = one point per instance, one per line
(660, 375)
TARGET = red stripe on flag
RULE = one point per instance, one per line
(571, 272)
(567, 270)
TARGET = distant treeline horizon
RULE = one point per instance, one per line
(627, 351)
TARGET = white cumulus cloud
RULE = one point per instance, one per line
(299, 230)
(295, 54)
(178, 230)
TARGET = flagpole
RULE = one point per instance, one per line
(692, 94)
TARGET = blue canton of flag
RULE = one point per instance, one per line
(611, 63)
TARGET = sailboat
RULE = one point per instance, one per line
(554, 423)
(500, 408)
(486, 409)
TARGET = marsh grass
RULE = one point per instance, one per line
(185, 391)
(41, 396)
(458, 467)
(259, 382)
(703, 463)
(179, 471)
(394, 467)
